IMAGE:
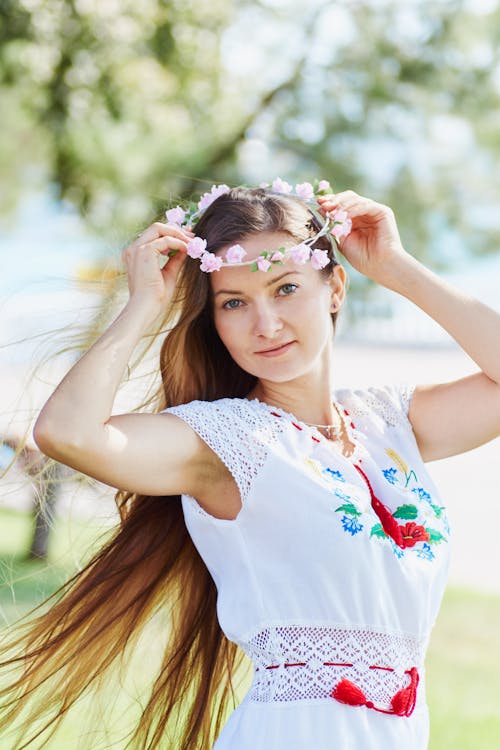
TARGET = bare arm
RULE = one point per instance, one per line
(147, 453)
(447, 418)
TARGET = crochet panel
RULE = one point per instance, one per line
(390, 402)
(308, 662)
(238, 434)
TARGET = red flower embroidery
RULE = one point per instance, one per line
(413, 533)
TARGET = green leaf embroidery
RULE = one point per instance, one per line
(349, 508)
(434, 535)
(438, 509)
(406, 511)
(377, 530)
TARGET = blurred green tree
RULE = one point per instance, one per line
(129, 107)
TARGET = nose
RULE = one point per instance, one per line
(267, 322)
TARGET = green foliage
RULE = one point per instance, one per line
(129, 108)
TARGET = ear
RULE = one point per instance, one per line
(337, 282)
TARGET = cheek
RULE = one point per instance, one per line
(228, 329)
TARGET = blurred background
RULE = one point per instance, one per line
(113, 111)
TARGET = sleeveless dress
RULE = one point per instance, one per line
(331, 576)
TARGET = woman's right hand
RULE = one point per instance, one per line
(147, 282)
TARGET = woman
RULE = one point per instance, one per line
(267, 509)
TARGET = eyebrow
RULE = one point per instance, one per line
(273, 281)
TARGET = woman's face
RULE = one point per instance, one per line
(254, 311)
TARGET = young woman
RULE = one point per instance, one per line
(272, 513)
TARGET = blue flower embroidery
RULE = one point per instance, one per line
(341, 495)
(352, 525)
(425, 552)
(422, 494)
(397, 550)
(334, 474)
(390, 475)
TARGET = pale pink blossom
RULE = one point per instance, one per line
(319, 259)
(300, 253)
(304, 190)
(175, 215)
(262, 263)
(210, 262)
(196, 247)
(324, 185)
(280, 186)
(344, 228)
(263, 184)
(235, 254)
(208, 198)
(277, 255)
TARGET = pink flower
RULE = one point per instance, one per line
(324, 185)
(196, 247)
(280, 186)
(277, 255)
(235, 254)
(304, 190)
(263, 184)
(319, 259)
(208, 198)
(262, 263)
(342, 229)
(175, 215)
(210, 262)
(300, 253)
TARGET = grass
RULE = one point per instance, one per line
(463, 659)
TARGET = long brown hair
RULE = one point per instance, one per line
(149, 562)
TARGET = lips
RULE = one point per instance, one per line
(275, 348)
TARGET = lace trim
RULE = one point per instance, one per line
(225, 425)
(304, 662)
(390, 402)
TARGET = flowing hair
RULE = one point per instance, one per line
(149, 564)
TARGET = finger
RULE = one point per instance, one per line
(159, 229)
(163, 245)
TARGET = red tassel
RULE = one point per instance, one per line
(347, 692)
(404, 701)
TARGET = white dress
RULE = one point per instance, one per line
(332, 574)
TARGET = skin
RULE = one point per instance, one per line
(295, 308)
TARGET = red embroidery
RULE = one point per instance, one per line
(297, 426)
(389, 523)
(413, 533)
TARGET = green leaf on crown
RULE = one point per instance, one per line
(349, 508)
(406, 511)
(254, 267)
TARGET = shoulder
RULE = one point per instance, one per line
(222, 409)
(388, 403)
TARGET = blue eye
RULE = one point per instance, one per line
(226, 305)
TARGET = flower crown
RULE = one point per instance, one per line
(337, 224)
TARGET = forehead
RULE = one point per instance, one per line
(241, 278)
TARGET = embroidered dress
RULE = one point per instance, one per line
(330, 577)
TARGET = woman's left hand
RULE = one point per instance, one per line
(373, 246)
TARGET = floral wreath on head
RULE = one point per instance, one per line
(336, 223)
